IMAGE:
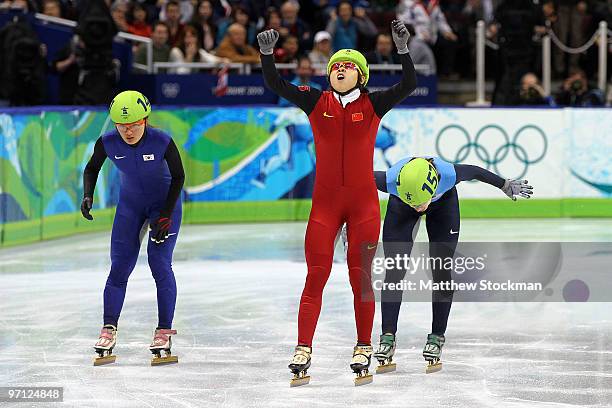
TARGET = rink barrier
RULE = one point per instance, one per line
(57, 226)
(54, 226)
(246, 164)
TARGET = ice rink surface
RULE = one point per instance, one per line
(238, 293)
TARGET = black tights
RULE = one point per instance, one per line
(399, 227)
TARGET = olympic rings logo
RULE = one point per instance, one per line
(493, 159)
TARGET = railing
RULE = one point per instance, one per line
(197, 65)
(601, 34)
(247, 68)
(373, 67)
(126, 36)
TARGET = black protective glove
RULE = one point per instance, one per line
(160, 228)
(86, 207)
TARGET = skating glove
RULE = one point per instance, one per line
(266, 40)
(400, 36)
(86, 207)
(514, 188)
(159, 229)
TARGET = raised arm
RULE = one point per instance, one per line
(384, 101)
(90, 177)
(512, 188)
(304, 97)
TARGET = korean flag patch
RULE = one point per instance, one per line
(148, 157)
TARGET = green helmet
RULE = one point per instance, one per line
(129, 107)
(417, 182)
(353, 56)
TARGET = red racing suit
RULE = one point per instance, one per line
(344, 189)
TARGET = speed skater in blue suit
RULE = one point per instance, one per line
(151, 180)
(420, 186)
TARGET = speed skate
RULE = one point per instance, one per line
(432, 352)
(384, 354)
(360, 364)
(104, 346)
(162, 342)
(300, 363)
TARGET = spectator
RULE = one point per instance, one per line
(474, 11)
(119, 14)
(421, 54)
(80, 84)
(294, 25)
(345, 28)
(532, 93)
(569, 29)
(98, 70)
(549, 12)
(52, 8)
(22, 5)
(576, 91)
(303, 77)
(65, 65)
(517, 20)
(321, 52)
(173, 20)
(258, 9)
(221, 8)
(383, 54)
(288, 52)
(189, 49)
(480, 10)
(235, 48)
(426, 18)
(22, 64)
(185, 10)
(273, 22)
(205, 21)
(161, 49)
(367, 30)
(139, 25)
(239, 15)
(324, 9)
(549, 19)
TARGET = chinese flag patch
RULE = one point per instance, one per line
(357, 117)
(304, 88)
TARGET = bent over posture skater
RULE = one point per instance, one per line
(426, 186)
(152, 178)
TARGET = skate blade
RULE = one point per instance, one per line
(363, 380)
(98, 361)
(433, 368)
(385, 368)
(155, 361)
(296, 382)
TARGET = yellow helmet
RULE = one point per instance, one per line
(129, 107)
(353, 56)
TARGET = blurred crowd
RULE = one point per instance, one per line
(517, 26)
(442, 41)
